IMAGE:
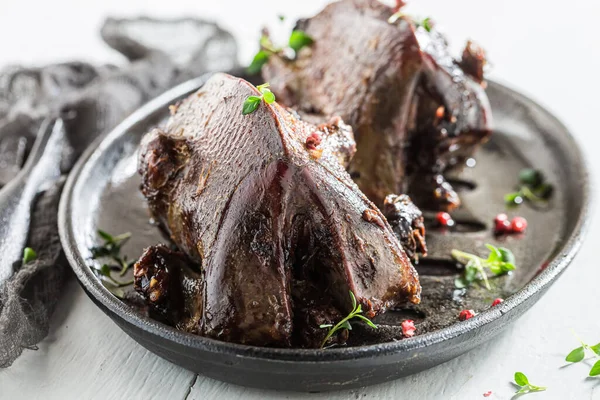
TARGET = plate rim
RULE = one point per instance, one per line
(94, 288)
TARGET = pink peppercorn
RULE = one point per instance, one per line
(444, 219)
(313, 141)
(487, 394)
(497, 301)
(518, 224)
(466, 314)
(501, 224)
(408, 328)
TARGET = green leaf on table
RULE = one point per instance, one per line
(595, 371)
(576, 355)
(521, 379)
(596, 349)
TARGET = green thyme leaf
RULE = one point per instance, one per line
(521, 379)
(299, 39)
(107, 237)
(281, 17)
(507, 255)
(250, 105)
(531, 177)
(595, 371)
(268, 96)
(260, 59)
(426, 24)
(596, 349)
(262, 87)
(345, 322)
(28, 255)
(104, 270)
(576, 355)
(513, 199)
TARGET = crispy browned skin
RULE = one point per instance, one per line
(408, 224)
(414, 112)
(265, 210)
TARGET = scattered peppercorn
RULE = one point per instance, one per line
(408, 328)
(518, 225)
(487, 394)
(444, 219)
(501, 224)
(313, 141)
(497, 301)
(466, 314)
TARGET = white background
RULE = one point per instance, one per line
(547, 49)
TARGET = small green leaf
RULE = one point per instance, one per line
(533, 388)
(460, 283)
(544, 190)
(281, 17)
(322, 326)
(260, 59)
(495, 254)
(508, 267)
(595, 371)
(507, 255)
(268, 96)
(28, 255)
(262, 87)
(596, 349)
(426, 24)
(346, 325)
(513, 199)
(521, 379)
(531, 177)
(576, 355)
(104, 270)
(496, 268)
(299, 39)
(353, 298)
(367, 321)
(109, 238)
(250, 105)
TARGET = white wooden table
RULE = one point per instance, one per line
(548, 49)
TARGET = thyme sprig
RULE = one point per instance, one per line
(578, 355)
(524, 386)
(532, 187)
(298, 39)
(499, 261)
(251, 103)
(345, 323)
(111, 248)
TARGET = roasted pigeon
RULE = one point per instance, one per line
(416, 112)
(272, 231)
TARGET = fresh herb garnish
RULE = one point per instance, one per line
(578, 355)
(298, 40)
(499, 261)
(533, 188)
(112, 249)
(251, 103)
(28, 255)
(426, 24)
(345, 323)
(525, 387)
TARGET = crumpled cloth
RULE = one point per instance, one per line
(90, 100)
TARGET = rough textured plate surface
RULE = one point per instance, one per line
(102, 193)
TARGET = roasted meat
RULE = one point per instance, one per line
(408, 224)
(415, 113)
(263, 205)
